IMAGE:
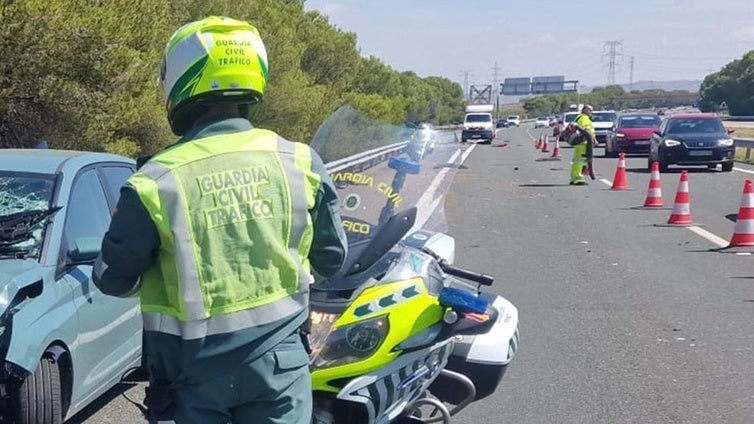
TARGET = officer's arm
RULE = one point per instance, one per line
(329, 245)
(128, 248)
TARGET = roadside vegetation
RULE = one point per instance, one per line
(82, 74)
(731, 89)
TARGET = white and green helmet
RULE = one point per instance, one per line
(216, 58)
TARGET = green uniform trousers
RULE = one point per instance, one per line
(275, 388)
(578, 163)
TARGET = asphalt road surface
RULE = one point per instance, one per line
(623, 320)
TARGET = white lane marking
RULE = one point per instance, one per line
(709, 236)
(467, 153)
(719, 241)
(743, 170)
(427, 204)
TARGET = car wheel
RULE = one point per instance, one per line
(727, 166)
(649, 163)
(663, 166)
(39, 398)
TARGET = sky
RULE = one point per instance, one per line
(667, 39)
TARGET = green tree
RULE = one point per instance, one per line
(733, 85)
(82, 73)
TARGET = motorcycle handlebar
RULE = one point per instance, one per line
(483, 279)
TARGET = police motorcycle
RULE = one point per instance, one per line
(400, 334)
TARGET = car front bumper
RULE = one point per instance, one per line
(681, 155)
(477, 134)
(630, 146)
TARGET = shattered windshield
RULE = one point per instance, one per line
(25, 200)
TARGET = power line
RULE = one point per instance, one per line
(612, 53)
(496, 88)
(466, 74)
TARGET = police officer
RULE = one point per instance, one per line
(579, 162)
(217, 234)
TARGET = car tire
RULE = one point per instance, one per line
(727, 166)
(39, 399)
(663, 166)
(649, 163)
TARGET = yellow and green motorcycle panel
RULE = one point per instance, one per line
(409, 307)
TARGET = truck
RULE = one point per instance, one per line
(477, 124)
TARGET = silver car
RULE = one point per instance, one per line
(62, 342)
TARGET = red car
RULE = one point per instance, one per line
(632, 134)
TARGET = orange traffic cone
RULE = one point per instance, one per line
(556, 150)
(538, 143)
(545, 146)
(619, 180)
(681, 214)
(743, 233)
(654, 191)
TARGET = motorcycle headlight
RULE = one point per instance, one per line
(670, 142)
(349, 343)
(726, 142)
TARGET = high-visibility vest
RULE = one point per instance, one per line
(232, 216)
(584, 121)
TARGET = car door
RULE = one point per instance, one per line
(113, 177)
(109, 337)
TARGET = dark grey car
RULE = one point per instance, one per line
(692, 139)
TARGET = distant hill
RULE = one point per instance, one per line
(685, 85)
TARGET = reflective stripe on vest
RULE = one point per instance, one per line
(232, 215)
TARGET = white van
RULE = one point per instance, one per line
(478, 125)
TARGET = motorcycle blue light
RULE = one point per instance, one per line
(403, 164)
(462, 301)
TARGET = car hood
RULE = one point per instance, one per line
(602, 125)
(638, 133)
(15, 274)
(698, 137)
(473, 125)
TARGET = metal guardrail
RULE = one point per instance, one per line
(367, 159)
(737, 118)
(370, 157)
(745, 143)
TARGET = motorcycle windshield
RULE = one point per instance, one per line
(380, 170)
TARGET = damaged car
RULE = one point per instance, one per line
(62, 342)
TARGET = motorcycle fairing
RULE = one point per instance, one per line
(410, 308)
(441, 244)
(387, 391)
(499, 345)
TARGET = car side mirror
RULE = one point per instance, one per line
(658, 132)
(731, 130)
(86, 249)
